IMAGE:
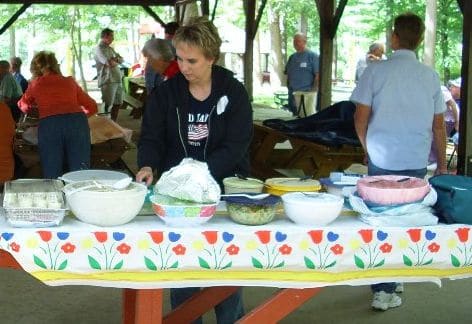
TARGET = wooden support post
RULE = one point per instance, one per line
(279, 305)
(142, 306)
(464, 161)
(199, 304)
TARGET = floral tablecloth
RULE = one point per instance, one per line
(147, 254)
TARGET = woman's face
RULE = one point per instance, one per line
(193, 64)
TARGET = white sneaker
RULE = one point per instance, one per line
(383, 301)
(399, 288)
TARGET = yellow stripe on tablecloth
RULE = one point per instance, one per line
(281, 276)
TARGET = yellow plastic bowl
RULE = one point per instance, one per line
(280, 186)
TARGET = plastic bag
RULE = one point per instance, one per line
(190, 180)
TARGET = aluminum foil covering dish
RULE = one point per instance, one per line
(190, 180)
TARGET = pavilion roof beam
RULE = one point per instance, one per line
(153, 15)
(14, 17)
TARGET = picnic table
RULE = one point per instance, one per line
(268, 155)
(145, 256)
(135, 95)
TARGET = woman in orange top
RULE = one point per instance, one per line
(63, 107)
(7, 132)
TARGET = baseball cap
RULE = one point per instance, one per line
(456, 82)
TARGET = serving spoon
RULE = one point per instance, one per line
(118, 185)
(255, 197)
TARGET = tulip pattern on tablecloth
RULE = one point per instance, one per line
(281, 250)
(106, 254)
(462, 250)
(371, 249)
(218, 252)
(419, 248)
(162, 254)
(324, 250)
(271, 254)
(52, 250)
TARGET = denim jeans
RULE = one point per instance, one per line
(227, 312)
(372, 170)
(63, 140)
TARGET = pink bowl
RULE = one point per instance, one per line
(388, 190)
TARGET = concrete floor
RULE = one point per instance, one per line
(24, 300)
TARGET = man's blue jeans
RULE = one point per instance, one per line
(63, 139)
(227, 312)
(372, 170)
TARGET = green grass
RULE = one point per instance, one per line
(265, 100)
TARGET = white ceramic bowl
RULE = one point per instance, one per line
(92, 174)
(312, 208)
(105, 208)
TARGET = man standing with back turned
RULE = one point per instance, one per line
(399, 109)
(109, 73)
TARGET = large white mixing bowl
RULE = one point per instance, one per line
(103, 206)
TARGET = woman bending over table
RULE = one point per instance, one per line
(204, 113)
(63, 107)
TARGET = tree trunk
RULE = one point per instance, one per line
(389, 25)
(256, 70)
(77, 49)
(443, 28)
(250, 11)
(277, 76)
(430, 33)
(12, 41)
(303, 23)
(326, 54)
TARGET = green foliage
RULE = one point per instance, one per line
(364, 21)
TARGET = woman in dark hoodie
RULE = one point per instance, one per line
(204, 113)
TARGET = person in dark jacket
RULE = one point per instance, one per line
(204, 113)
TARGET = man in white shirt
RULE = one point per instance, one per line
(399, 110)
(109, 74)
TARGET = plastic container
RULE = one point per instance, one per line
(314, 209)
(239, 185)
(104, 206)
(247, 211)
(182, 213)
(280, 186)
(97, 175)
(335, 189)
(34, 202)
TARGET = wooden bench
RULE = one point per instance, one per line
(137, 106)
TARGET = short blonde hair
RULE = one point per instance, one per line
(44, 61)
(201, 33)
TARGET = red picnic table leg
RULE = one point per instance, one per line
(282, 303)
(198, 304)
(142, 306)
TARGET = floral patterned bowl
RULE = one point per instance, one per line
(181, 213)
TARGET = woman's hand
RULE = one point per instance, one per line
(145, 174)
